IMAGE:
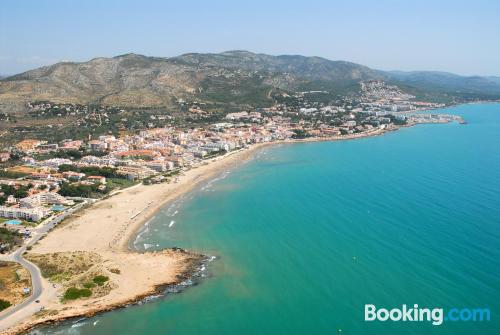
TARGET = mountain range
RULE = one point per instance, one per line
(235, 78)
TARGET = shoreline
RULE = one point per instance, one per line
(232, 160)
(208, 170)
(189, 278)
(151, 199)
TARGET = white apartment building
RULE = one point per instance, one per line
(41, 199)
(33, 214)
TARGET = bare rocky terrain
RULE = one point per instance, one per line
(238, 78)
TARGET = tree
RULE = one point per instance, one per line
(299, 133)
(20, 193)
(69, 190)
(67, 167)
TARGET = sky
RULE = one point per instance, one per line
(456, 36)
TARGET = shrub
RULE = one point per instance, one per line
(89, 285)
(100, 280)
(9, 237)
(48, 270)
(73, 293)
(4, 304)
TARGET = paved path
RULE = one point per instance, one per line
(36, 281)
(36, 276)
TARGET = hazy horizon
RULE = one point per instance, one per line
(450, 36)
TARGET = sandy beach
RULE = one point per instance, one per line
(111, 223)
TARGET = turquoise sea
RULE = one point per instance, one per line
(307, 234)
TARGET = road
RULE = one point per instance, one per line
(36, 281)
(36, 276)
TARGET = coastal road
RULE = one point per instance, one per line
(36, 281)
(36, 276)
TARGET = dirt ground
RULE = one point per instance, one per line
(13, 278)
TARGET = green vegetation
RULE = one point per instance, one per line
(75, 271)
(335, 88)
(20, 192)
(93, 191)
(114, 183)
(300, 133)
(49, 270)
(89, 285)
(114, 180)
(215, 154)
(172, 173)
(12, 175)
(107, 172)
(114, 122)
(4, 304)
(251, 90)
(69, 154)
(74, 293)
(63, 266)
(9, 237)
(85, 191)
(100, 280)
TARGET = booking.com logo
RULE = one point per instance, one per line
(417, 314)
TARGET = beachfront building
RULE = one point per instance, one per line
(160, 166)
(46, 198)
(32, 214)
(135, 172)
(97, 161)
